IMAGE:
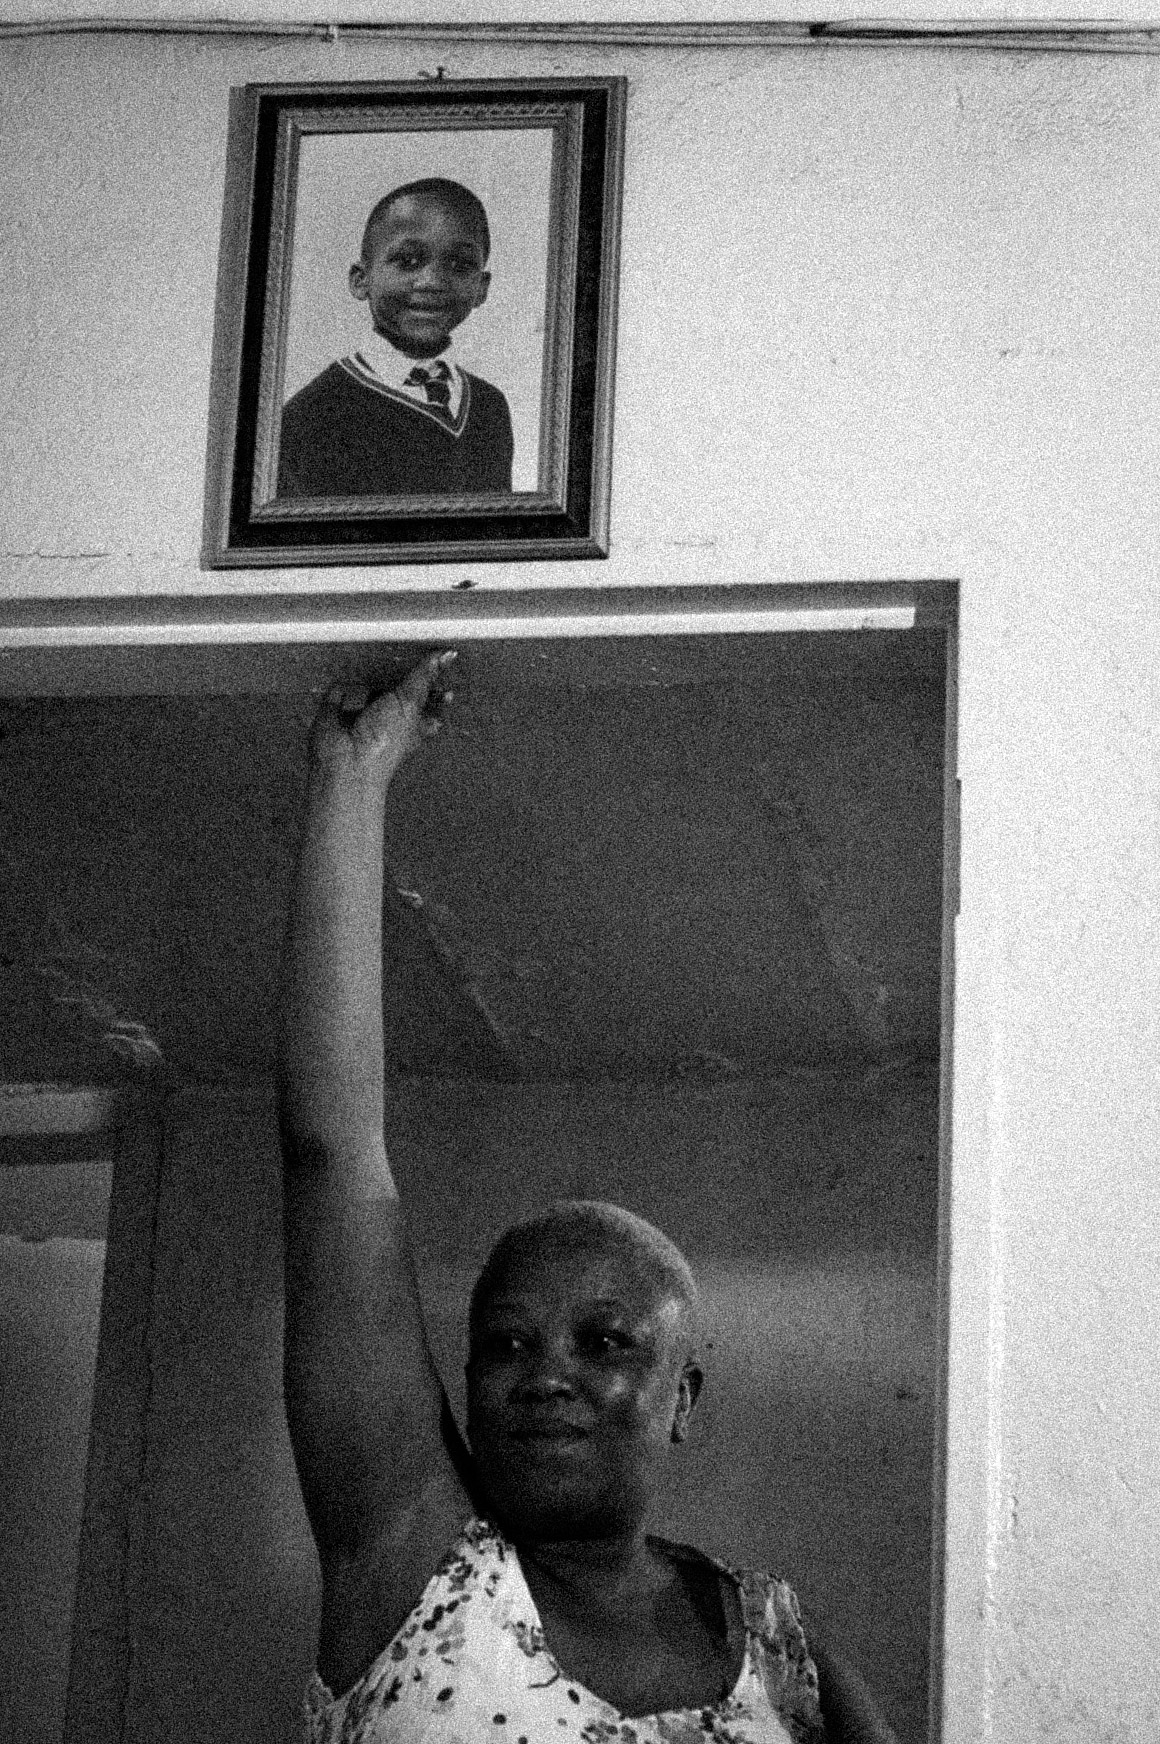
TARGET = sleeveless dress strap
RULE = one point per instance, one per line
(773, 1623)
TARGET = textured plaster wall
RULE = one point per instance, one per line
(724, 857)
(929, 260)
(299, 13)
(941, 266)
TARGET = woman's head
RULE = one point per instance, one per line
(582, 1369)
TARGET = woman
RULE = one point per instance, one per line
(511, 1591)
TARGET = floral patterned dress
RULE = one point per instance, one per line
(470, 1664)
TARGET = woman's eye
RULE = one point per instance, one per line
(505, 1343)
(607, 1343)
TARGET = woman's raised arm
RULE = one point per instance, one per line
(378, 1456)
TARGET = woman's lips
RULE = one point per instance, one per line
(552, 1446)
(551, 1432)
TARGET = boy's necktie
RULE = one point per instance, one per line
(435, 381)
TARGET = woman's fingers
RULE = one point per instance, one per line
(352, 721)
(439, 694)
(399, 719)
(423, 680)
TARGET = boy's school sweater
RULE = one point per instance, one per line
(346, 435)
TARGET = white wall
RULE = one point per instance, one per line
(940, 266)
(932, 261)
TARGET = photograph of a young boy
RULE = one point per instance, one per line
(400, 416)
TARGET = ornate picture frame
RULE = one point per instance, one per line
(322, 180)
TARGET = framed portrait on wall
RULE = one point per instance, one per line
(416, 324)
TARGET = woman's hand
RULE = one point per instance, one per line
(360, 734)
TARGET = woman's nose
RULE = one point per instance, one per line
(548, 1376)
(539, 1388)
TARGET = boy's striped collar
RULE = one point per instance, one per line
(378, 358)
(413, 398)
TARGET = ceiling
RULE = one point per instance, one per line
(635, 858)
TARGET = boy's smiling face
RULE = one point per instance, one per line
(425, 273)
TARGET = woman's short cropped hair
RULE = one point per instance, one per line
(576, 1220)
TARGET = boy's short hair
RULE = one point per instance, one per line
(452, 194)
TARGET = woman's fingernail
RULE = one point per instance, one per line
(450, 655)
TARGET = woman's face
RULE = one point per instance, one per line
(578, 1383)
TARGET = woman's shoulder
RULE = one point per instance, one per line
(776, 1636)
(769, 1604)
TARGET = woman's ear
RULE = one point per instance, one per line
(688, 1392)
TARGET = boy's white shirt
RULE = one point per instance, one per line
(392, 367)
